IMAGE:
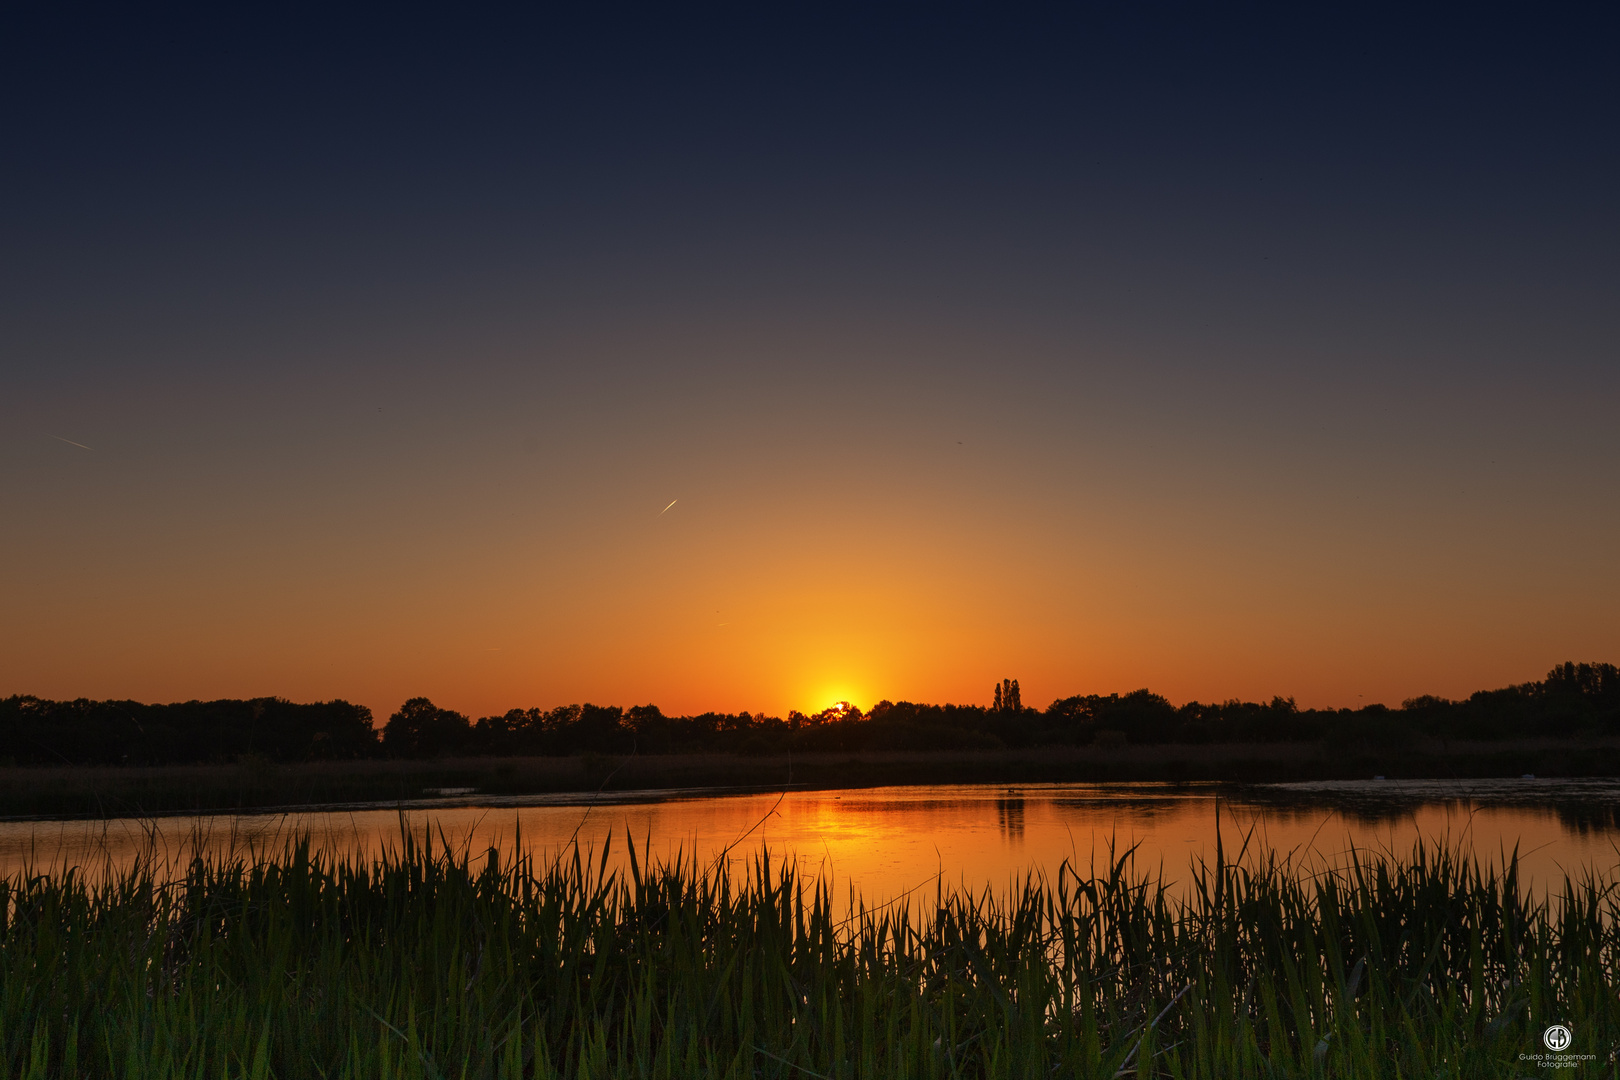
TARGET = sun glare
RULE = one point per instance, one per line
(832, 697)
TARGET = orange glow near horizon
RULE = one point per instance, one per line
(702, 620)
(796, 567)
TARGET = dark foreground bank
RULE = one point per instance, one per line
(255, 783)
(430, 964)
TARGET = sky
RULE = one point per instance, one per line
(743, 359)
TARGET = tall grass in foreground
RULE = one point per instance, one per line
(429, 963)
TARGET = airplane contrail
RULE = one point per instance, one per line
(661, 513)
(70, 442)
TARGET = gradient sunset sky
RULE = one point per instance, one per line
(1228, 354)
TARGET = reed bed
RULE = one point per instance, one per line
(431, 961)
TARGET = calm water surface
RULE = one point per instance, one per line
(883, 842)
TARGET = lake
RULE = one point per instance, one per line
(881, 843)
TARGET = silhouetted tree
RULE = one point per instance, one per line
(83, 732)
(600, 729)
(422, 729)
(1573, 700)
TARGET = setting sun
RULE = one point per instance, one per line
(840, 697)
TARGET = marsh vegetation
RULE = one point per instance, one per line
(433, 961)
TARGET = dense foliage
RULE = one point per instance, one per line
(1573, 700)
(432, 964)
(82, 732)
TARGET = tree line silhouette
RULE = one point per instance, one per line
(1574, 700)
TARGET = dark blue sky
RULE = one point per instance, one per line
(1308, 318)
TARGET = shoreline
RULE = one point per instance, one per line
(260, 786)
